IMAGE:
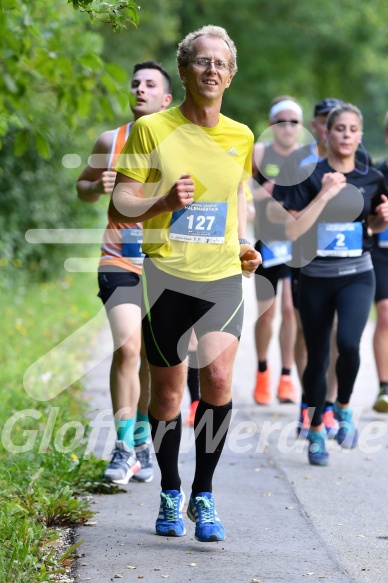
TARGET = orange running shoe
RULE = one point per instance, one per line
(304, 422)
(286, 390)
(330, 422)
(262, 393)
(191, 415)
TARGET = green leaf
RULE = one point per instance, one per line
(42, 146)
(10, 83)
(133, 16)
(103, 8)
(117, 72)
(91, 60)
(106, 107)
(108, 83)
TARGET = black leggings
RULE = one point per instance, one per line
(319, 298)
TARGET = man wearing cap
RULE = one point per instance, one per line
(285, 121)
(317, 150)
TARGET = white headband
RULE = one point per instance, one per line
(283, 105)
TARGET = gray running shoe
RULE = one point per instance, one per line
(144, 456)
(381, 404)
(123, 464)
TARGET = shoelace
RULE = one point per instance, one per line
(170, 505)
(207, 510)
(119, 455)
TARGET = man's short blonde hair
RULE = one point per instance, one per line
(186, 50)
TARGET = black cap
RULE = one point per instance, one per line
(326, 105)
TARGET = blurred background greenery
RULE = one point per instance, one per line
(64, 79)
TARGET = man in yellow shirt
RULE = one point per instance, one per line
(181, 173)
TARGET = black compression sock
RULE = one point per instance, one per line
(262, 365)
(166, 437)
(210, 436)
(193, 376)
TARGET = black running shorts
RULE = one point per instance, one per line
(118, 286)
(173, 306)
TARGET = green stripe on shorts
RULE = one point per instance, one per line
(234, 313)
(147, 306)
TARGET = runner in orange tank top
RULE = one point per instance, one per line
(119, 277)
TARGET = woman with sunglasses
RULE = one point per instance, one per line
(335, 210)
(285, 119)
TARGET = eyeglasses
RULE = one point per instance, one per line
(292, 122)
(206, 63)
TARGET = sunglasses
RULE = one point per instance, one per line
(292, 122)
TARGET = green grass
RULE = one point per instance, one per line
(43, 475)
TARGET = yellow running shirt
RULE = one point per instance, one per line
(200, 242)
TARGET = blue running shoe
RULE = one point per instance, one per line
(347, 434)
(201, 510)
(317, 453)
(170, 521)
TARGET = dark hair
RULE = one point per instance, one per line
(343, 108)
(158, 67)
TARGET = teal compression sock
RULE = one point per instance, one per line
(142, 429)
(125, 429)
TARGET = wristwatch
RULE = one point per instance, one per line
(244, 242)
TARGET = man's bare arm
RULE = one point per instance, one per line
(95, 179)
(130, 201)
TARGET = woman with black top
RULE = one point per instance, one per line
(337, 207)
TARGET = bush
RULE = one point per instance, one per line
(38, 194)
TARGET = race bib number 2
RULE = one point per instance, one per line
(200, 222)
(339, 240)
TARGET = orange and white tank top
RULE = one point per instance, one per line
(121, 244)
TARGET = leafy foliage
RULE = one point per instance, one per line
(38, 193)
(54, 86)
(50, 65)
(116, 13)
